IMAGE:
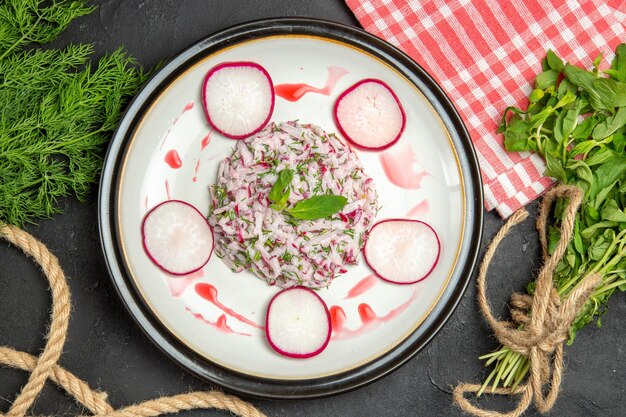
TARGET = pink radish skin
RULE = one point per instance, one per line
(255, 91)
(296, 314)
(370, 115)
(177, 237)
(402, 251)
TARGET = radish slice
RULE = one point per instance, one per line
(297, 323)
(402, 251)
(370, 115)
(238, 98)
(177, 237)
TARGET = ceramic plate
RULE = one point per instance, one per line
(211, 322)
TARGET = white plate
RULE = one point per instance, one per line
(161, 152)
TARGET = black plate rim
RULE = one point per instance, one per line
(308, 388)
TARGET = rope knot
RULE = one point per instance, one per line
(545, 335)
(540, 322)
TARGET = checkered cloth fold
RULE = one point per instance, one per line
(485, 54)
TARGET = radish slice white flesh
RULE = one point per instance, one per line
(370, 115)
(238, 98)
(297, 323)
(402, 251)
(177, 237)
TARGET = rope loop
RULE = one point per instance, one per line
(46, 365)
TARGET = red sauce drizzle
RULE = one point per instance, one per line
(421, 209)
(366, 313)
(178, 284)
(337, 318)
(399, 164)
(206, 140)
(294, 92)
(173, 159)
(187, 107)
(167, 190)
(167, 134)
(209, 293)
(195, 172)
(221, 323)
(370, 320)
(362, 286)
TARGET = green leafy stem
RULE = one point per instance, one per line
(576, 119)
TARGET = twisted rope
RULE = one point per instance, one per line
(45, 366)
(546, 318)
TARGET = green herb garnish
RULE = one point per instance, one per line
(57, 110)
(318, 207)
(578, 124)
(280, 192)
(313, 208)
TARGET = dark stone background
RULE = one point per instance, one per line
(107, 349)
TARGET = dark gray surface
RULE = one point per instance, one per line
(107, 349)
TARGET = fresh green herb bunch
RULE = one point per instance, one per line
(57, 110)
(576, 119)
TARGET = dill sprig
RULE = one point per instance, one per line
(23, 22)
(57, 110)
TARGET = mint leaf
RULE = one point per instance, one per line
(516, 135)
(281, 187)
(536, 95)
(546, 79)
(313, 208)
(554, 61)
(280, 204)
(608, 173)
(570, 121)
(585, 79)
(611, 92)
(318, 207)
(610, 125)
(612, 212)
(584, 129)
(599, 246)
(618, 66)
(597, 61)
(590, 231)
(554, 168)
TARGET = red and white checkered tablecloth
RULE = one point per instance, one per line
(485, 54)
